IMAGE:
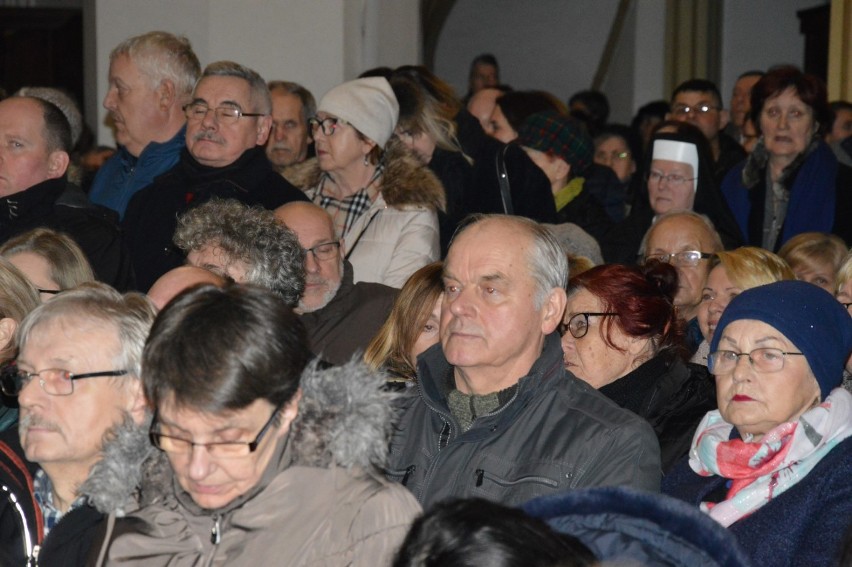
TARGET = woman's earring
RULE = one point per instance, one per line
(366, 161)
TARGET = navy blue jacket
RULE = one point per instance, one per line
(803, 526)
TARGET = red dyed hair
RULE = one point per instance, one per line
(643, 298)
(809, 88)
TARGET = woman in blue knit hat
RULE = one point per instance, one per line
(773, 463)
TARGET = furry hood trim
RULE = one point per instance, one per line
(405, 180)
(129, 461)
(345, 417)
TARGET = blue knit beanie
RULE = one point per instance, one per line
(807, 315)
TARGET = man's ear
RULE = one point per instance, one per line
(57, 164)
(166, 94)
(137, 406)
(553, 310)
(724, 118)
(264, 125)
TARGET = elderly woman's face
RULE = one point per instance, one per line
(214, 481)
(787, 124)
(754, 401)
(717, 294)
(590, 358)
(671, 186)
(342, 150)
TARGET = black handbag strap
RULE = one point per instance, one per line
(503, 181)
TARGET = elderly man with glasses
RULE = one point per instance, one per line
(81, 440)
(228, 123)
(341, 316)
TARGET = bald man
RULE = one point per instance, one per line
(341, 317)
(177, 280)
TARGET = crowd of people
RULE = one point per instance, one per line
(392, 326)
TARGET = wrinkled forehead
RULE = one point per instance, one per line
(498, 243)
(218, 90)
(679, 234)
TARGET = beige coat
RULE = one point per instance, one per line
(320, 502)
(398, 234)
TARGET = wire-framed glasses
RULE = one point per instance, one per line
(54, 381)
(324, 251)
(196, 112)
(673, 179)
(218, 449)
(578, 324)
(685, 110)
(688, 258)
(761, 359)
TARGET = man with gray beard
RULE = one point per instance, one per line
(341, 317)
(83, 433)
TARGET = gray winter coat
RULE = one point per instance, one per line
(556, 433)
(318, 503)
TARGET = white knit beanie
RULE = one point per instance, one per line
(368, 104)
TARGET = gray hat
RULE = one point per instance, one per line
(367, 104)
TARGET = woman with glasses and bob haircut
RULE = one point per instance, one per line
(622, 335)
(382, 200)
(269, 465)
(773, 462)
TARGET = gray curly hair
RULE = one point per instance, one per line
(271, 251)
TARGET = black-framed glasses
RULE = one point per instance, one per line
(578, 324)
(324, 251)
(49, 291)
(688, 258)
(196, 111)
(54, 381)
(684, 110)
(761, 359)
(217, 449)
(328, 125)
(673, 179)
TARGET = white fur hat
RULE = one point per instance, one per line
(368, 104)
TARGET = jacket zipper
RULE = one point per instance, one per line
(216, 530)
(30, 550)
(481, 475)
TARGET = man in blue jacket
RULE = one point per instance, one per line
(151, 77)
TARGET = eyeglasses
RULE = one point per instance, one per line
(578, 324)
(611, 157)
(54, 381)
(327, 125)
(684, 110)
(673, 179)
(219, 449)
(761, 359)
(197, 111)
(688, 259)
(324, 251)
(49, 291)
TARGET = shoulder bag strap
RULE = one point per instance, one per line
(503, 180)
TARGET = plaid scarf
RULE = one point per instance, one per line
(350, 208)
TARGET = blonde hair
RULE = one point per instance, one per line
(68, 264)
(810, 248)
(844, 273)
(390, 348)
(749, 267)
(17, 298)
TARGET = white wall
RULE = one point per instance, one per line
(318, 43)
(758, 34)
(553, 45)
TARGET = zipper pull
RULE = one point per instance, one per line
(480, 474)
(33, 560)
(407, 475)
(215, 532)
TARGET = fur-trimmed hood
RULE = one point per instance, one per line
(405, 180)
(345, 418)
(129, 462)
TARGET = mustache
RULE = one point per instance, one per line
(208, 135)
(282, 147)
(33, 420)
